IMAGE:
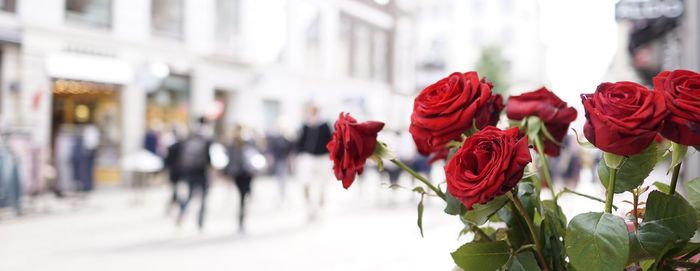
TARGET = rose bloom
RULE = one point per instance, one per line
(623, 118)
(681, 89)
(544, 104)
(450, 107)
(489, 164)
(350, 146)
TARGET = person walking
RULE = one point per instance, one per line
(171, 162)
(194, 162)
(278, 150)
(313, 163)
(240, 169)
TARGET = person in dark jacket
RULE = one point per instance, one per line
(171, 166)
(279, 148)
(240, 169)
(193, 165)
(313, 163)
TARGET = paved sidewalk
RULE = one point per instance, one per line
(365, 228)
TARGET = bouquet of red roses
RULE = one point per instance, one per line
(491, 175)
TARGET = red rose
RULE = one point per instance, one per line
(623, 118)
(489, 163)
(450, 107)
(352, 143)
(681, 89)
(544, 104)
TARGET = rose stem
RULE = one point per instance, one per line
(635, 198)
(545, 166)
(480, 232)
(419, 177)
(610, 191)
(531, 227)
(674, 178)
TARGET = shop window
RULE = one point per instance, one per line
(345, 46)
(8, 5)
(96, 13)
(168, 105)
(167, 18)
(227, 20)
(380, 56)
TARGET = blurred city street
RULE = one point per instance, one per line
(105, 104)
(370, 227)
(360, 229)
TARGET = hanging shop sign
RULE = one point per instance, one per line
(648, 9)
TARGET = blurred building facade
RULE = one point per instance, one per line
(455, 35)
(123, 66)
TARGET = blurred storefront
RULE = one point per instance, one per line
(122, 68)
(79, 110)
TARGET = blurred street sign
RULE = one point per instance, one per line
(648, 9)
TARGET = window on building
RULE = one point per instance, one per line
(227, 20)
(8, 5)
(362, 51)
(92, 12)
(312, 43)
(167, 18)
(380, 56)
(345, 46)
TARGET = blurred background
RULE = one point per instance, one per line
(93, 93)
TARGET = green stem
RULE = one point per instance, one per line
(480, 232)
(567, 190)
(521, 249)
(545, 165)
(419, 177)
(610, 190)
(674, 178)
(531, 227)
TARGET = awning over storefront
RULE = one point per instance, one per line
(89, 68)
(10, 36)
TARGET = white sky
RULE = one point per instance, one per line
(581, 36)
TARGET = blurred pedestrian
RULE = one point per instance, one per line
(172, 167)
(279, 149)
(151, 139)
(193, 162)
(313, 163)
(83, 156)
(240, 169)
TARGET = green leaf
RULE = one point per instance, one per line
(597, 241)
(482, 212)
(633, 171)
(524, 261)
(667, 219)
(678, 154)
(482, 256)
(646, 265)
(420, 215)
(662, 187)
(555, 215)
(454, 206)
(693, 189)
